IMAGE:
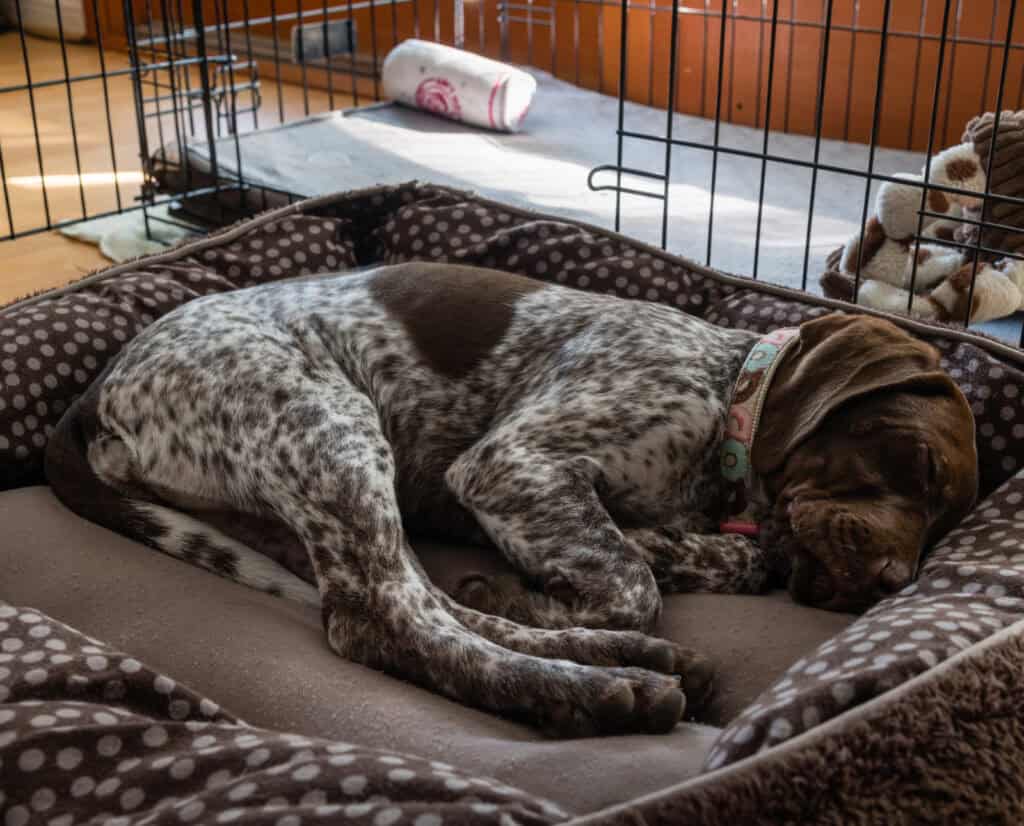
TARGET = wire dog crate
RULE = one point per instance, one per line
(935, 63)
(175, 73)
(851, 81)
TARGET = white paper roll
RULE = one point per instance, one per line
(459, 85)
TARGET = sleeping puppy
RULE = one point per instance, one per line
(867, 449)
(610, 449)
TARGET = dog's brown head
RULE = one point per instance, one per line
(868, 448)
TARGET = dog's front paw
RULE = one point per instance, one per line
(506, 595)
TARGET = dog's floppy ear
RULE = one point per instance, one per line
(836, 359)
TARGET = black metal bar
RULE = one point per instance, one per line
(670, 118)
(373, 44)
(928, 157)
(204, 80)
(352, 62)
(7, 194)
(819, 116)
(988, 59)
(110, 73)
(232, 96)
(645, 5)
(71, 107)
(302, 58)
(394, 24)
(625, 170)
(767, 132)
(151, 77)
(529, 31)
(143, 205)
(704, 65)
(952, 73)
(991, 157)
(249, 56)
(328, 58)
(502, 28)
(850, 70)
(575, 37)
(789, 67)
(277, 60)
(623, 58)
(879, 86)
(176, 107)
(140, 108)
(963, 219)
(552, 36)
(917, 75)
(530, 22)
(732, 58)
(106, 103)
(715, 146)
(822, 167)
(650, 58)
(760, 68)
(183, 65)
(32, 111)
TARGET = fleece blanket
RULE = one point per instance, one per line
(964, 617)
(89, 734)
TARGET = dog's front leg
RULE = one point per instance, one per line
(684, 561)
(546, 516)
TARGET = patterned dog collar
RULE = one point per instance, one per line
(741, 427)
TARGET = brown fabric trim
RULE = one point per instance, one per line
(942, 748)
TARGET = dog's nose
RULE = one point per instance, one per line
(893, 576)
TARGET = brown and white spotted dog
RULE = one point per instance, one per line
(579, 433)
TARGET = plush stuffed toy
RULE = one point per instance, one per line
(943, 274)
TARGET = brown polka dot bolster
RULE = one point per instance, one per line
(971, 585)
(547, 249)
(53, 347)
(91, 735)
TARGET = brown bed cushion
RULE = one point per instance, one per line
(265, 660)
(88, 734)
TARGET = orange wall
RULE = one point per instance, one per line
(970, 76)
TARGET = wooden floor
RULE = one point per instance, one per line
(49, 259)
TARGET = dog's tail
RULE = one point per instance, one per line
(177, 534)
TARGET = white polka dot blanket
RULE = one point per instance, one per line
(91, 735)
(53, 345)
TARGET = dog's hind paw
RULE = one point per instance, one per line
(621, 701)
(695, 672)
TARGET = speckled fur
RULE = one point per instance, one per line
(580, 438)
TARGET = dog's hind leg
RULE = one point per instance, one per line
(333, 484)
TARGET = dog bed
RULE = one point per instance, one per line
(914, 706)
